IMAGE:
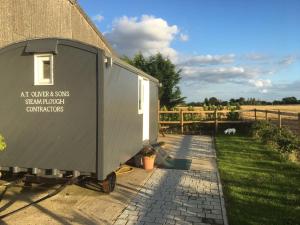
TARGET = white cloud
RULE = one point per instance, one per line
(256, 57)
(232, 74)
(244, 77)
(292, 87)
(202, 60)
(195, 71)
(147, 34)
(282, 89)
(260, 83)
(98, 18)
(183, 37)
(287, 61)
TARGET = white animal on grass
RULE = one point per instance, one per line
(230, 131)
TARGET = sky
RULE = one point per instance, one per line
(225, 48)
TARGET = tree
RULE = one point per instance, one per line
(290, 100)
(206, 102)
(166, 72)
(242, 101)
(232, 101)
(214, 101)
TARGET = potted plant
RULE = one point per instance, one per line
(149, 155)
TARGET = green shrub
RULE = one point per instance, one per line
(269, 135)
(282, 138)
(287, 141)
(238, 107)
(2, 143)
(232, 115)
(164, 108)
(191, 108)
(265, 131)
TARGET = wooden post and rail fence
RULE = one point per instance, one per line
(215, 117)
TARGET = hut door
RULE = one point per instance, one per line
(146, 109)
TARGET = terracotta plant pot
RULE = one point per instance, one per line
(148, 162)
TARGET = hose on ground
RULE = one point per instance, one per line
(123, 170)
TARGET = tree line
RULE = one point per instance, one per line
(244, 101)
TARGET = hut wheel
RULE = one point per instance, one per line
(108, 185)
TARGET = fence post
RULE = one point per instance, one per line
(255, 116)
(181, 120)
(216, 121)
(266, 115)
(279, 119)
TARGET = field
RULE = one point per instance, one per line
(292, 122)
(287, 108)
(260, 187)
(283, 108)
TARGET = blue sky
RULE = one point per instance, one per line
(225, 49)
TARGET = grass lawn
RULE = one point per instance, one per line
(259, 186)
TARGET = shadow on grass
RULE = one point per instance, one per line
(260, 186)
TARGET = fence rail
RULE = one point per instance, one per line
(217, 117)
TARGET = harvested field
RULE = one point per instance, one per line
(287, 108)
(292, 122)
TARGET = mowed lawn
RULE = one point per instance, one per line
(259, 186)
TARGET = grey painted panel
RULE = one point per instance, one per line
(122, 137)
(153, 112)
(42, 46)
(65, 140)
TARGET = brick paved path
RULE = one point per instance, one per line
(180, 196)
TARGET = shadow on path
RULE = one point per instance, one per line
(178, 196)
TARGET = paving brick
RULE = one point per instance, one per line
(219, 221)
(215, 211)
(131, 207)
(183, 223)
(160, 220)
(120, 222)
(123, 216)
(213, 216)
(148, 219)
(134, 213)
(180, 218)
(170, 221)
(135, 223)
(132, 217)
(193, 219)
